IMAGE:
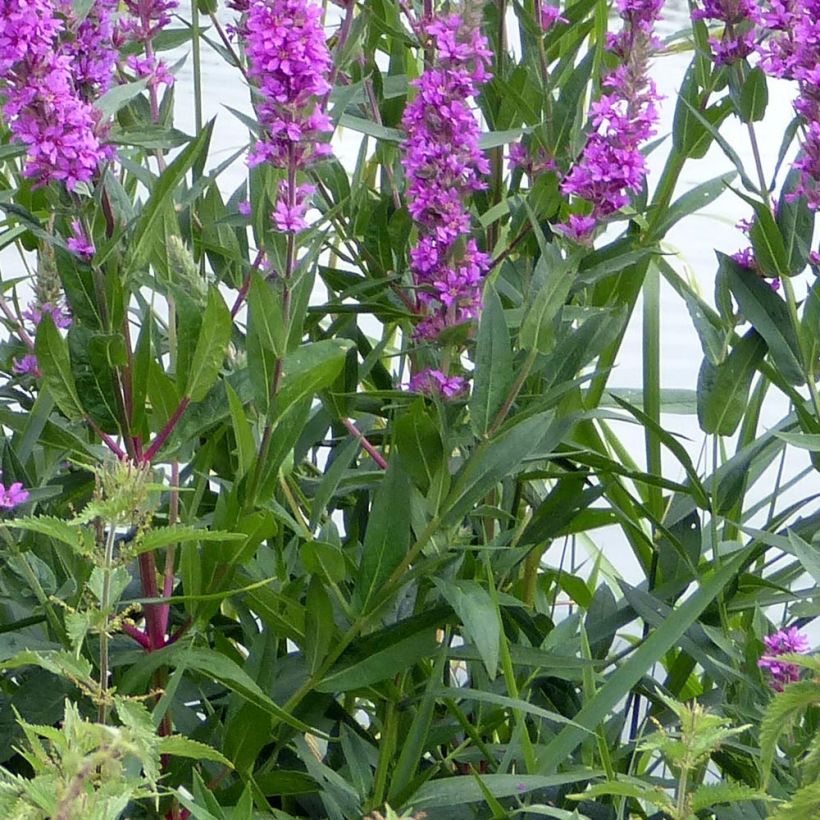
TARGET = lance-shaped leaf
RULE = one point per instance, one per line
(211, 345)
(54, 363)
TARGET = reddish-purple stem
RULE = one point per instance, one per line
(107, 440)
(137, 634)
(162, 436)
(366, 445)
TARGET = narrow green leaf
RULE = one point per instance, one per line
(52, 358)
(754, 96)
(494, 459)
(618, 685)
(144, 236)
(723, 389)
(493, 374)
(474, 606)
(211, 345)
(537, 330)
(388, 534)
(769, 315)
(216, 666)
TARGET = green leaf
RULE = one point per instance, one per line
(769, 315)
(693, 200)
(723, 389)
(387, 538)
(494, 459)
(319, 624)
(212, 664)
(309, 369)
(180, 746)
(214, 336)
(55, 528)
(780, 717)
(537, 327)
(158, 537)
(117, 96)
(656, 645)
(53, 360)
(421, 452)
(754, 96)
(796, 222)
(145, 236)
(806, 441)
(452, 791)
(384, 655)
(476, 610)
(767, 242)
(266, 324)
(493, 374)
(808, 554)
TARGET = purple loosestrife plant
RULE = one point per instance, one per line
(444, 164)
(792, 52)
(611, 166)
(783, 642)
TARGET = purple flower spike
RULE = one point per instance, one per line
(792, 52)
(612, 167)
(783, 642)
(60, 315)
(290, 64)
(46, 92)
(12, 496)
(444, 164)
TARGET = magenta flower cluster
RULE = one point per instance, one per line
(47, 87)
(289, 63)
(147, 19)
(12, 495)
(783, 642)
(611, 166)
(444, 164)
(792, 51)
(739, 18)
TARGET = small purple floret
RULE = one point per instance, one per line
(435, 383)
(12, 496)
(783, 642)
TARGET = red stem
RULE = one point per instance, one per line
(137, 634)
(366, 445)
(162, 436)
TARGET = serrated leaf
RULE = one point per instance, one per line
(180, 746)
(159, 537)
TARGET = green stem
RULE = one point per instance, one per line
(652, 382)
(197, 60)
(105, 608)
(509, 673)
